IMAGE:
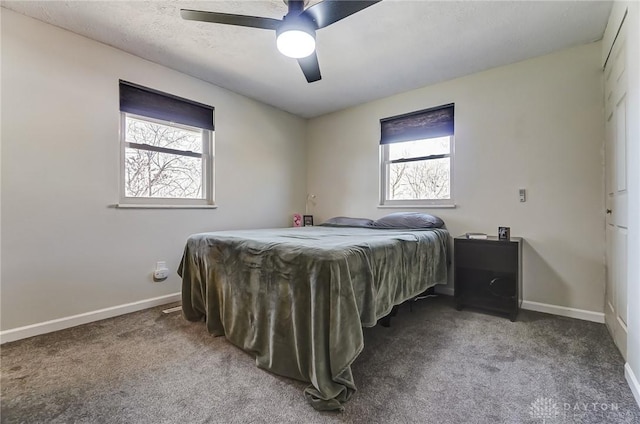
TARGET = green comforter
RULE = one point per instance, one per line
(297, 298)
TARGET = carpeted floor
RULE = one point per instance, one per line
(434, 365)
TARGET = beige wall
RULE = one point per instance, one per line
(64, 250)
(537, 125)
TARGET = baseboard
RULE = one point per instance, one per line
(544, 307)
(564, 311)
(633, 382)
(85, 318)
(447, 291)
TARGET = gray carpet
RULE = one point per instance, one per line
(434, 365)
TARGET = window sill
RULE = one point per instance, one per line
(139, 206)
(417, 206)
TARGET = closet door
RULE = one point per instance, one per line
(616, 191)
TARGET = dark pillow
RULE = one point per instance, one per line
(345, 221)
(409, 220)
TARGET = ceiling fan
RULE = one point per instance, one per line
(296, 31)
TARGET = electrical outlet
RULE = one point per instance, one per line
(162, 272)
(523, 195)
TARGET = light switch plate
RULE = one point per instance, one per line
(523, 195)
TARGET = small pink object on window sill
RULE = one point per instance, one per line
(297, 220)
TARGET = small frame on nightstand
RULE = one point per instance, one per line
(307, 220)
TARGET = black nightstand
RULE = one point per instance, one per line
(488, 274)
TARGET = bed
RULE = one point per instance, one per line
(297, 298)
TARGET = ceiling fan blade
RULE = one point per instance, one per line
(310, 67)
(330, 11)
(230, 19)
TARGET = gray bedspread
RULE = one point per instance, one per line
(297, 298)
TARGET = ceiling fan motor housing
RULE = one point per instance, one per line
(302, 22)
(296, 4)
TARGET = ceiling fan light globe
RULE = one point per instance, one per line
(296, 43)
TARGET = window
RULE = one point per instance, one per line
(416, 158)
(167, 149)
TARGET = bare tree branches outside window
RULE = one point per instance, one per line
(162, 162)
(420, 179)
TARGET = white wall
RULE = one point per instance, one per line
(536, 124)
(64, 250)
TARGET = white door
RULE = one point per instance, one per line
(615, 84)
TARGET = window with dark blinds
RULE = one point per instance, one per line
(417, 158)
(167, 149)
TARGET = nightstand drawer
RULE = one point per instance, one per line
(492, 256)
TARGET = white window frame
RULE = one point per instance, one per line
(208, 166)
(385, 163)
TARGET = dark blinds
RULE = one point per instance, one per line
(428, 123)
(156, 104)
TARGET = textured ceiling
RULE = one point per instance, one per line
(390, 47)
